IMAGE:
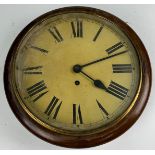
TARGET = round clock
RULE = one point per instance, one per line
(77, 77)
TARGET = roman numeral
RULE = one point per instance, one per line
(114, 48)
(77, 28)
(122, 68)
(33, 70)
(37, 90)
(77, 116)
(117, 90)
(97, 34)
(39, 49)
(56, 34)
(53, 107)
(102, 108)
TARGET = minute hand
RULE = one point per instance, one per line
(102, 59)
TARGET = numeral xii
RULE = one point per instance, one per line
(77, 28)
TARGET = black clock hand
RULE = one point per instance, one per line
(105, 58)
(97, 83)
(78, 68)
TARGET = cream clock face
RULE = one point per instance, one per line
(76, 72)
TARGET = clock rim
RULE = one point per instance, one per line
(97, 138)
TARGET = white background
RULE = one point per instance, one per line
(13, 18)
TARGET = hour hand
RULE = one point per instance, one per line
(97, 83)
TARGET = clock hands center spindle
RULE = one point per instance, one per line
(77, 68)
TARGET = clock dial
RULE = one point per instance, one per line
(76, 72)
(77, 77)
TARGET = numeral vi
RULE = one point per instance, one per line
(77, 116)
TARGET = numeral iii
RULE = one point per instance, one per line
(122, 68)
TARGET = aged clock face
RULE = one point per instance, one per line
(76, 72)
(77, 77)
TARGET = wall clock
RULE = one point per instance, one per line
(77, 77)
